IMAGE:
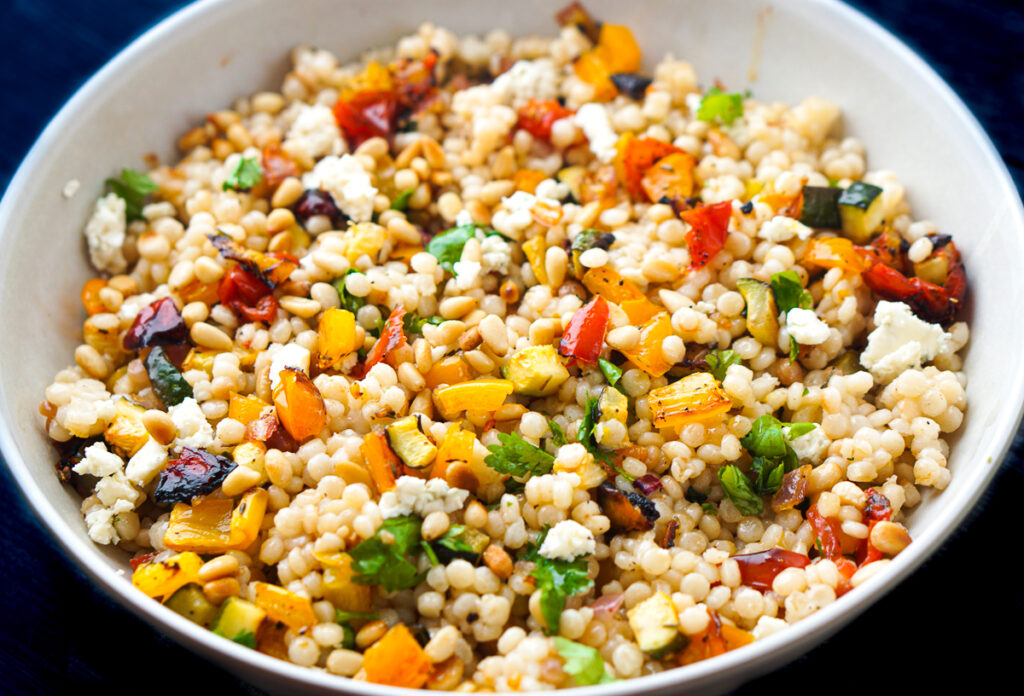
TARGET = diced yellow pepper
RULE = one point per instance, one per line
(126, 433)
(476, 395)
(281, 605)
(647, 354)
(245, 409)
(365, 238)
(536, 249)
(199, 360)
(164, 578)
(450, 370)
(456, 447)
(339, 588)
(606, 282)
(336, 337)
(696, 397)
(527, 179)
(204, 527)
(247, 518)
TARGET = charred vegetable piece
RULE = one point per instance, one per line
(267, 428)
(647, 354)
(474, 395)
(655, 626)
(367, 114)
(194, 473)
(168, 383)
(537, 115)
(575, 15)
(762, 314)
(584, 337)
(247, 295)
(827, 531)
(413, 447)
(759, 569)
(929, 301)
(717, 639)
(336, 332)
(157, 324)
(339, 587)
(696, 397)
(612, 405)
(315, 202)
(191, 603)
(535, 371)
(670, 179)
(282, 605)
(203, 527)
(606, 282)
(126, 432)
(793, 489)
(461, 542)
(392, 337)
(164, 578)
(300, 406)
(273, 269)
(709, 228)
(632, 85)
(835, 252)
(397, 660)
(821, 207)
(635, 157)
(239, 620)
(589, 239)
(277, 165)
(380, 460)
(860, 207)
(627, 511)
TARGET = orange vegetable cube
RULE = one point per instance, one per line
(288, 608)
(247, 518)
(204, 527)
(475, 395)
(397, 660)
(647, 355)
(670, 177)
(339, 588)
(245, 409)
(527, 179)
(337, 336)
(300, 407)
(456, 447)
(164, 578)
(450, 370)
(695, 397)
(618, 49)
(835, 252)
(380, 459)
(606, 282)
(91, 295)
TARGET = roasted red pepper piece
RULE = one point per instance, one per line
(846, 568)
(415, 81)
(391, 338)
(637, 156)
(537, 115)
(273, 268)
(247, 295)
(268, 429)
(367, 114)
(277, 165)
(317, 202)
(878, 509)
(157, 324)
(929, 301)
(584, 336)
(195, 472)
(709, 228)
(136, 561)
(759, 569)
(827, 531)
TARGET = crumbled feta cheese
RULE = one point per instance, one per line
(704, 307)
(315, 133)
(901, 341)
(552, 189)
(193, 428)
(781, 229)
(527, 79)
(414, 495)
(98, 461)
(467, 274)
(100, 523)
(463, 218)
(291, 355)
(105, 232)
(810, 446)
(567, 540)
(519, 205)
(146, 463)
(593, 120)
(805, 326)
(349, 184)
(117, 493)
(495, 253)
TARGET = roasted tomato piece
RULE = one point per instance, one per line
(300, 406)
(537, 115)
(584, 335)
(637, 155)
(273, 268)
(759, 569)
(627, 511)
(827, 532)
(247, 295)
(367, 114)
(929, 301)
(157, 324)
(195, 472)
(793, 489)
(709, 228)
(391, 338)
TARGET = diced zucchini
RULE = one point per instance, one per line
(412, 446)
(860, 207)
(821, 207)
(191, 603)
(475, 540)
(239, 620)
(535, 371)
(168, 382)
(655, 626)
(762, 314)
(126, 433)
(573, 178)
(934, 269)
(847, 363)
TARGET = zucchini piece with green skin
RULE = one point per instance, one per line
(655, 626)
(168, 382)
(588, 239)
(407, 439)
(860, 207)
(762, 313)
(821, 207)
(190, 602)
(471, 542)
(239, 620)
(535, 371)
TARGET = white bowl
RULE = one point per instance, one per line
(206, 55)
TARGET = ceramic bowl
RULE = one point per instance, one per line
(210, 53)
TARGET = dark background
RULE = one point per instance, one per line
(958, 615)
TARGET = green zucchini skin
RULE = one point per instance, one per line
(821, 207)
(168, 383)
(860, 207)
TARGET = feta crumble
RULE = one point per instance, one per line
(495, 253)
(527, 79)
(463, 218)
(193, 429)
(901, 341)
(805, 326)
(593, 120)
(98, 461)
(114, 493)
(315, 133)
(146, 463)
(414, 495)
(349, 184)
(291, 355)
(782, 229)
(467, 274)
(811, 446)
(568, 540)
(105, 233)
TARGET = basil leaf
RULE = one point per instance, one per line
(765, 438)
(517, 457)
(446, 247)
(132, 187)
(452, 539)
(387, 564)
(719, 361)
(719, 105)
(413, 323)
(739, 490)
(794, 349)
(246, 174)
(401, 201)
(799, 429)
(582, 662)
(612, 373)
(789, 292)
(557, 434)
(585, 436)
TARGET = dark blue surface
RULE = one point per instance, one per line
(959, 615)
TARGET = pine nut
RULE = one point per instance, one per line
(493, 331)
(434, 525)
(300, 306)
(889, 537)
(370, 634)
(241, 479)
(90, 360)
(498, 560)
(288, 191)
(219, 567)
(219, 590)
(456, 307)
(624, 337)
(210, 336)
(160, 426)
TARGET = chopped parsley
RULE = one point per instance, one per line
(611, 372)
(401, 201)
(789, 292)
(452, 540)
(739, 490)
(447, 246)
(348, 300)
(585, 436)
(383, 558)
(246, 174)
(719, 362)
(721, 106)
(557, 580)
(773, 456)
(557, 434)
(794, 349)
(582, 662)
(517, 457)
(413, 323)
(132, 187)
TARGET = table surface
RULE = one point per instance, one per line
(62, 635)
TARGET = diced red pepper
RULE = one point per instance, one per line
(157, 324)
(537, 115)
(827, 531)
(636, 156)
(391, 338)
(367, 114)
(709, 228)
(267, 428)
(929, 301)
(846, 568)
(136, 561)
(878, 509)
(584, 336)
(277, 165)
(759, 569)
(247, 295)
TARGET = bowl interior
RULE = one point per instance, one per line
(211, 53)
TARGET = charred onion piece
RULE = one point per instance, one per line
(626, 510)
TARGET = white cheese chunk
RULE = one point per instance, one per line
(593, 120)
(782, 229)
(568, 540)
(414, 495)
(146, 463)
(527, 79)
(811, 446)
(495, 253)
(901, 341)
(98, 461)
(193, 429)
(349, 184)
(105, 233)
(315, 133)
(805, 326)
(290, 355)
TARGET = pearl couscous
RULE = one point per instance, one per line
(488, 363)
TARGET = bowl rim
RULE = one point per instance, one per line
(795, 638)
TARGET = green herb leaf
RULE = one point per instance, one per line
(717, 104)
(739, 490)
(446, 247)
(246, 638)
(719, 362)
(431, 554)
(585, 436)
(348, 637)
(348, 300)
(557, 434)
(452, 539)
(612, 373)
(556, 579)
(794, 349)
(765, 438)
(767, 474)
(387, 564)
(343, 617)
(789, 292)
(799, 429)
(401, 201)
(133, 187)
(246, 174)
(582, 662)
(709, 509)
(413, 323)
(517, 457)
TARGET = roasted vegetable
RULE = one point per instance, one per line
(272, 268)
(157, 324)
(584, 336)
(693, 398)
(630, 84)
(762, 314)
(537, 115)
(588, 239)
(191, 603)
(336, 334)
(392, 337)
(299, 404)
(338, 587)
(247, 518)
(670, 179)
(203, 527)
(164, 578)
(380, 460)
(612, 405)
(450, 370)
(860, 207)
(793, 489)
(397, 660)
(709, 229)
(168, 383)
(635, 157)
(628, 511)
(821, 207)
(410, 443)
(284, 606)
(931, 302)
(455, 450)
(655, 626)
(195, 472)
(717, 639)
(616, 52)
(126, 433)
(535, 371)
(314, 202)
(91, 296)
(835, 252)
(647, 354)
(535, 249)
(474, 395)
(461, 542)
(239, 620)
(758, 570)
(268, 429)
